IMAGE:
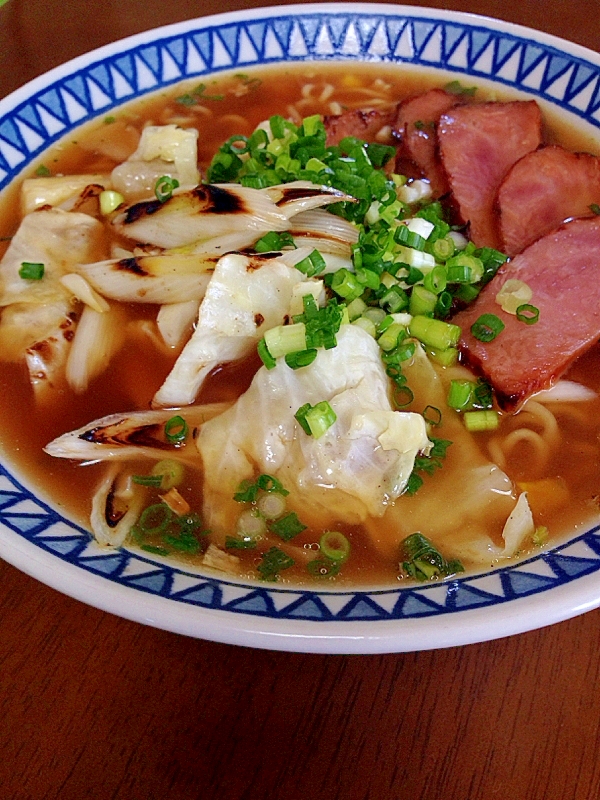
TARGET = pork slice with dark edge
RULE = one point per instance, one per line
(479, 143)
(361, 124)
(543, 189)
(415, 127)
(563, 271)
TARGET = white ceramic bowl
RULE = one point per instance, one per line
(35, 537)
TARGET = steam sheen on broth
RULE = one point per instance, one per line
(549, 449)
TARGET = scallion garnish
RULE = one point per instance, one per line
(432, 416)
(424, 562)
(487, 327)
(316, 420)
(485, 420)
(42, 171)
(274, 241)
(434, 332)
(163, 188)
(301, 358)
(266, 357)
(241, 543)
(31, 271)
(312, 265)
(528, 314)
(334, 545)
(273, 562)
(427, 464)
(456, 87)
(287, 527)
(248, 490)
(155, 519)
(176, 430)
(147, 480)
(323, 568)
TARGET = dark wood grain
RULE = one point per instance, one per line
(93, 706)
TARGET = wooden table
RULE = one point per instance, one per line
(92, 706)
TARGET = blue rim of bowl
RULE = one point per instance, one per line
(34, 117)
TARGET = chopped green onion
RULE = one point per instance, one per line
(274, 241)
(389, 338)
(312, 264)
(528, 314)
(301, 358)
(356, 308)
(248, 491)
(422, 301)
(487, 327)
(170, 472)
(315, 420)
(445, 358)
(251, 524)
(443, 249)
(367, 325)
(271, 505)
(273, 561)
(147, 480)
(595, 208)
(284, 339)
(456, 87)
(432, 416)
(485, 420)
(427, 464)
(405, 236)
(425, 561)
(31, 271)
(288, 527)
(42, 171)
(434, 333)
(394, 300)
(176, 430)
(459, 394)
(163, 188)
(265, 356)
(335, 546)
(242, 543)
(110, 201)
(323, 568)
(402, 396)
(346, 284)
(155, 519)
(435, 281)
(464, 269)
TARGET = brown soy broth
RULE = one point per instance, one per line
(140, 367)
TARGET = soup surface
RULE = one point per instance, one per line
(556, 463)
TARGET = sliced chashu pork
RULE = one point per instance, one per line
(563, 271)
(479, 143)
(543, 189)
(415, 127)
(361, 124)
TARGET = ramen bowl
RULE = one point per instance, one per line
(37, 538)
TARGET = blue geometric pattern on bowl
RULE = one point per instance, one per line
(470, 50)
(22, 513)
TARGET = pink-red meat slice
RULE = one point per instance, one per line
(543, 189)
(362, 124)
(563, 271)
(416, 129)
(479, 143)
